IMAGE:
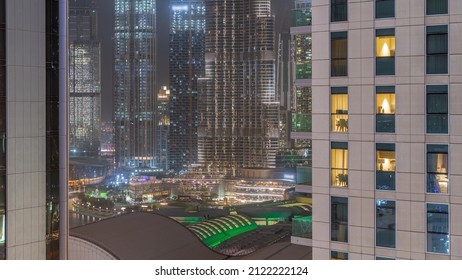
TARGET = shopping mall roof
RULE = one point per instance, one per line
(215, 231)
(145, 236)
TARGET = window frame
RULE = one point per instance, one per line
(347, 220)
(436, 173)
(338, 91)
(337, 252)
(332, 5)
(338, 146)
(384, 17)
(385, 147)
(437, 14)
(427, 231)
(427, 55)
(338, 35)
(435, 90)
(385, 32)
(385, 90)
(395, 223)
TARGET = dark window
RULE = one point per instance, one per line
(339, 219)
(437, 169)
(384, 8)
(338, 10)
(438, 228)
(384, 259)
(435, 7)
(385, 223)
(334, 255)
(385, 51)
(437, 49)
(339, 54)
(437, 109)
(386, 167)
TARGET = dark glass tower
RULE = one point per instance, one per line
(135, 83)
(52, 130)
(187, 64)
(239, 112)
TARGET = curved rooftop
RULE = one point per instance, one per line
(215, 231)
(145, 236)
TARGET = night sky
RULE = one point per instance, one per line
(281, 9)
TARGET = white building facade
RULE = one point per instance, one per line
(386, 129)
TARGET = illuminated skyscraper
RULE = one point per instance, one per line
(33, 129)
(239, 112)
(135, 82)
(163, 127)
(187, 64)
(84, 78)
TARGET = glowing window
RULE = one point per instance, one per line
(385, 109)
(339, 164)
(339, 109)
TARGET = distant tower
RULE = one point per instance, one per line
(187, 64)
(84, 79)
(135, 82)
(239, 112)
(163, 127)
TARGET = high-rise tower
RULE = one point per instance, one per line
(84, 78)
(135, 82)
(239, 112)
(33, 126)
(187, 64)
(386, 129)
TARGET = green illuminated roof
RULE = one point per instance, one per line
(215, 231)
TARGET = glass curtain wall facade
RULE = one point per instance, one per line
(301, 97)
(187, 65)
(84, 78)
(239, 113)
(52, 130)
(135, 82)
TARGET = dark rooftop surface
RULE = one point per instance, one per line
(145, 236)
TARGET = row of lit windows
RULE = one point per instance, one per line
(385, 41)
(437, 230)
(437, 164)
(437, 109)
(384, 9)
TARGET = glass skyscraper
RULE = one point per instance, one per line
(135, 83)
(84, 78)
(187, 64)
(239, 112)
